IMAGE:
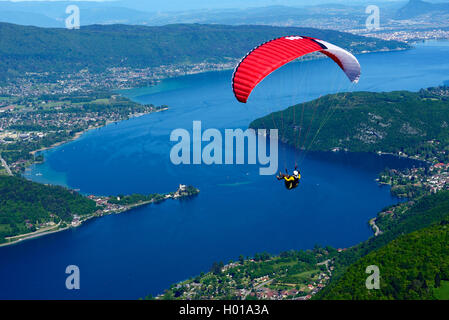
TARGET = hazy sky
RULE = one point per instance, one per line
(184, 5)
(162, 5)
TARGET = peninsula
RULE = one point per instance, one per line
(401, 123)
(31, 210)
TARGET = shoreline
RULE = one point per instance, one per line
(78, 134)
(57, 144)
(31, 237)
(301, 59)
(35, 234)
(219, 69)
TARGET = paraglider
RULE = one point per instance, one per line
(291, 181)
(273, 54)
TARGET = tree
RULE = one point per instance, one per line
(216, 268)
(437, 280)
(168, 295)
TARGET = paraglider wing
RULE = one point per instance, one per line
(271, 55)
(347, 62)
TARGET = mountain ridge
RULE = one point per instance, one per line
(98, 47)
(416, 8)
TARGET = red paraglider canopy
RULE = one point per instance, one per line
(271, 55)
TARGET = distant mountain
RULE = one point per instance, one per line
(98, 47)
(336, 16)
(28, 19)
(45, 14)
(112, 15)
(53, 8)
(415, 8)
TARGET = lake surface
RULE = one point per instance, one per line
(143, 251)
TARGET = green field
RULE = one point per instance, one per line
(304, 276)
(442, 293)
(101, 101)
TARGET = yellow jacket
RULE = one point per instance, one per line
(291, 178)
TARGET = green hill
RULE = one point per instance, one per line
(25, 205)
(410, 268)
(365, 122)
(33, 49)
(389, 252)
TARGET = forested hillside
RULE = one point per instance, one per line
(402, 252)
(366, 122)
(25, 205)
(410, 268)
(33, 49)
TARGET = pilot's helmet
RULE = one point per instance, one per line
(296, 173)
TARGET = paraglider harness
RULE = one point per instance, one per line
(291, 181)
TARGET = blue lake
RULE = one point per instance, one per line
(143, 251)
